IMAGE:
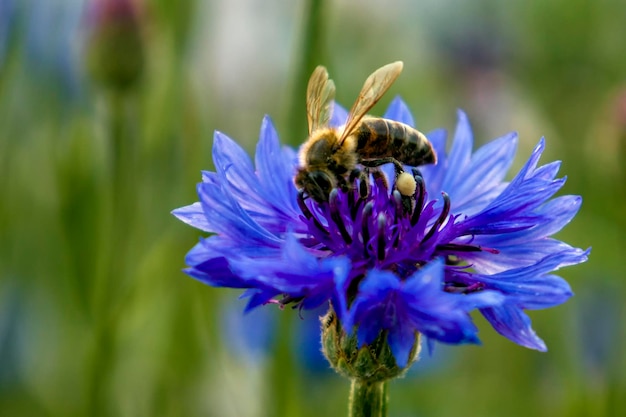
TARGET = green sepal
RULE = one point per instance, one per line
(371, 363)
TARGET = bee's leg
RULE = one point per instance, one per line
(373, 163)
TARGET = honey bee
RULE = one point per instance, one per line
(331, 155)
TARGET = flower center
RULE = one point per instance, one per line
(375, 225)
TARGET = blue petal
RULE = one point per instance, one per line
(236, 175)
(460, 153)
(512, 210)
(434, 175)
(399, 111)
(294, 271)
(275, 172)
(554, 215)
(401, 340)
(512, 323)
(225, 216)
(193, 215)
(534, 293)
(233, 165)
(515, 255)
(216, 273)
(483, 175)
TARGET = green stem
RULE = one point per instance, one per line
(367, 399)
(111, 279)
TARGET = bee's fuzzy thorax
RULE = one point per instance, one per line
(316, 136)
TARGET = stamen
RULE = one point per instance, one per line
(398, 200)
(336, 216)
(441, 219)
(351, 199)
(456, 247)
(365, 231)
(303, 207)
(382, 220)
(380, 180)
(356, 173)
(463, 289)
(307, 213)
(364, 186)
(364, 191)
(407, 204)
(286, 300)
(419, 199)
(352, 192)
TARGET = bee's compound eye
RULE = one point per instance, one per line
(406, 184)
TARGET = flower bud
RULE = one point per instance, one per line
(115, 54)
(368, 363)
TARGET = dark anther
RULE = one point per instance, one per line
(381, 237)
(364, 186)
(419, 199)
(397, 199)
(442, 217)
(380, 179)
(464, 288)
(303, 207)
(356, 173)
(457, 247)
(307, 213)
(336, 216)
(407, 204)
(416, 173)
(353, 203)
(288, 299)
(365, 231)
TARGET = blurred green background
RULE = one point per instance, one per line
(106, 119)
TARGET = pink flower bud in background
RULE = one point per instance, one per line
(114, 45)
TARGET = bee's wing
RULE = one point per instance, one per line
(319, 95)
(375, 86)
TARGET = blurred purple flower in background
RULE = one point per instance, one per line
(466, 240)
(248, 336)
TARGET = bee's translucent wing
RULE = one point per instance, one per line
(375, 86)
(319, 95)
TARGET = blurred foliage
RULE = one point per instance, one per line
(96, 317)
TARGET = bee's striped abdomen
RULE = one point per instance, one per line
(380, 138)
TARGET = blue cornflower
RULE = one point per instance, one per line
(466, 239)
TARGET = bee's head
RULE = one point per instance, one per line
(317, 184)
